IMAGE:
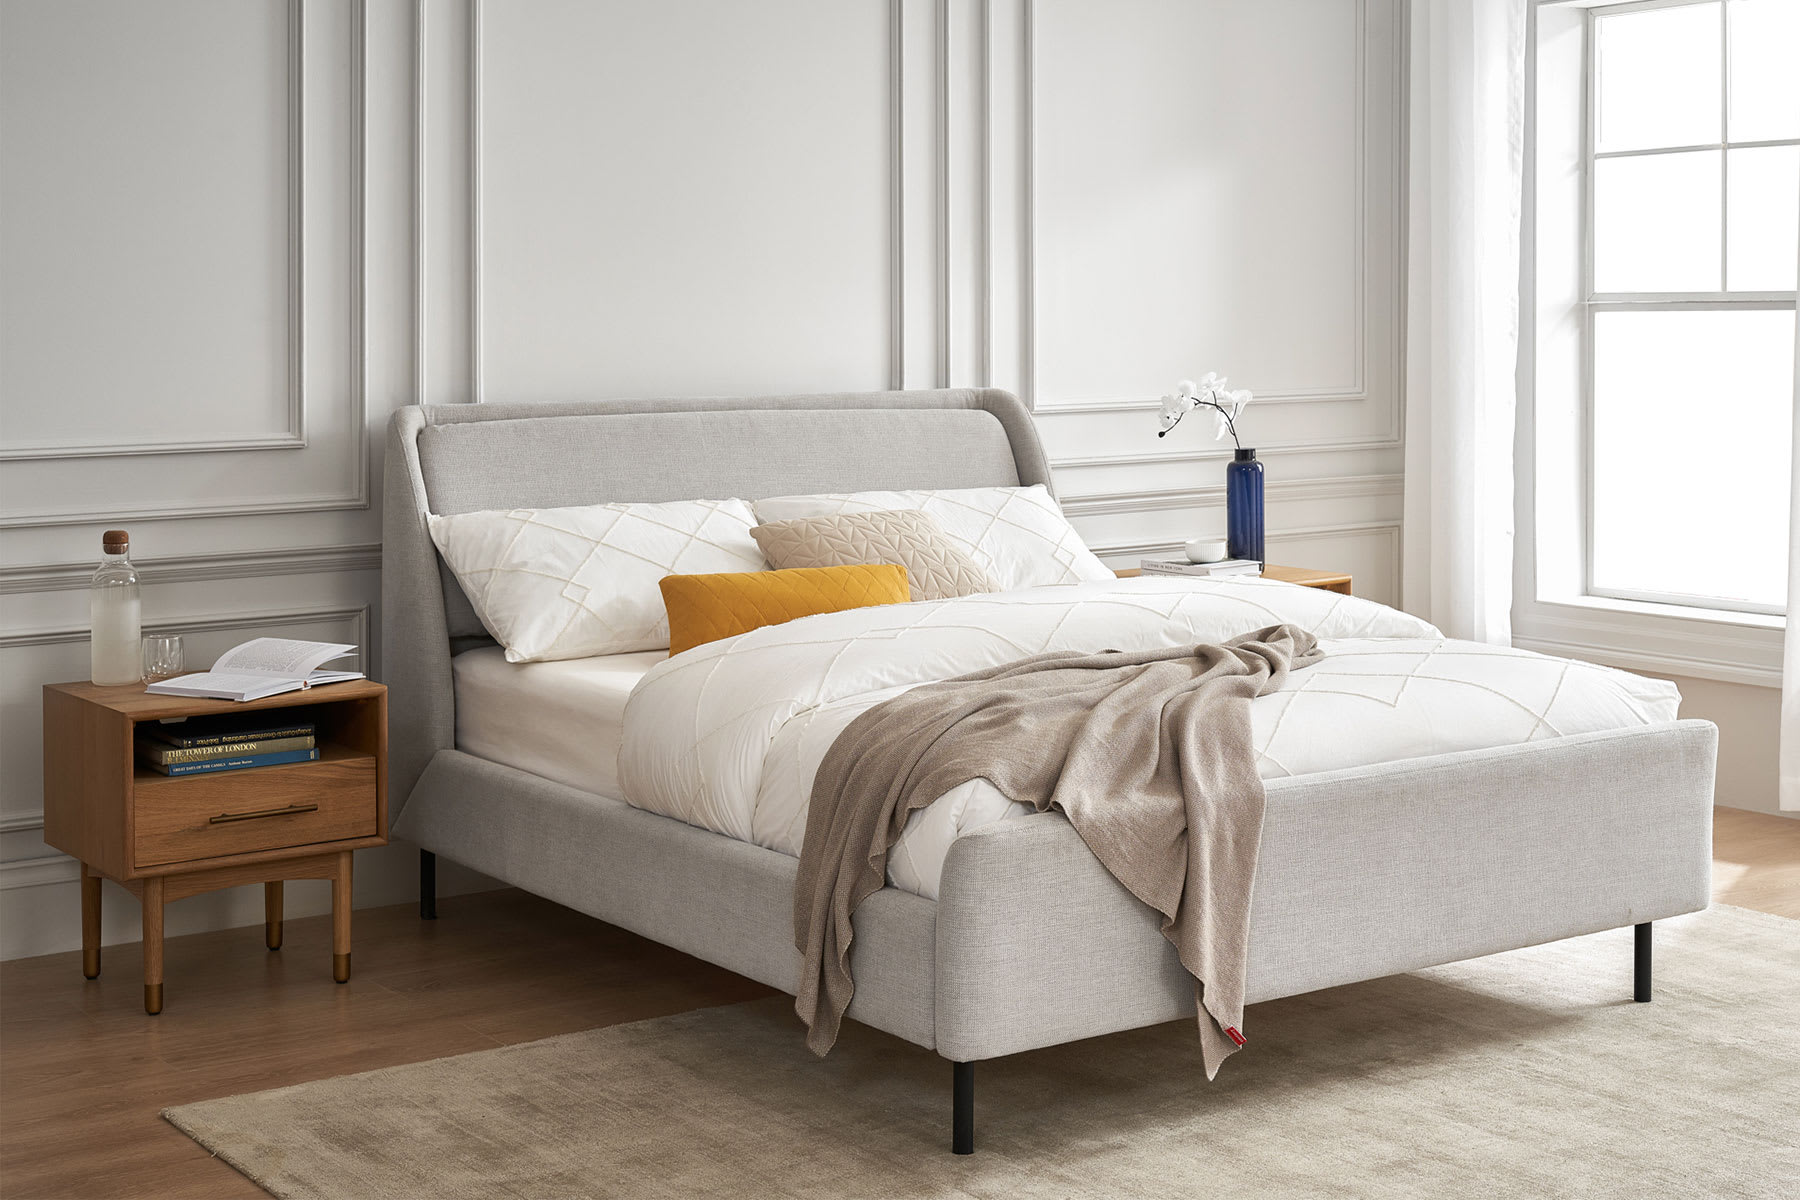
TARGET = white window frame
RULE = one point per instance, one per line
(1555, 608)
(1722, 299)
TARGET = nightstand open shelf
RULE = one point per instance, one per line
(164, 837)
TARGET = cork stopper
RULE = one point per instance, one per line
(115, 541)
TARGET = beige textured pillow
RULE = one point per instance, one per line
(912, 538)
(1018, 535)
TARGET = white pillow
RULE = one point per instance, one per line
(554, 583)
(1018, 534)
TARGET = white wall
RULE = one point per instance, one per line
(236, 235)
(1749, 721)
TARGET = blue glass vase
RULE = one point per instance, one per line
(1244, 506)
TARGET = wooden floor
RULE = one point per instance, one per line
(1756, 861)
(83, 1072)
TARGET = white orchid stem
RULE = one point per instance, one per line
(1229, 423)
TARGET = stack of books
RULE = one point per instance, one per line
(1212, 570)
(202, 744)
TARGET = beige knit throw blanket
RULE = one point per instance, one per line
(1147, 752)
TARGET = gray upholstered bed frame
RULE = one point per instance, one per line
(1364, 872)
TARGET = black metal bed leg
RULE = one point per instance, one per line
(1640, 983)
(427, 886)
(962, 1118)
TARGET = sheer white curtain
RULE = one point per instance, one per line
(1465, 156)
(1790, 669)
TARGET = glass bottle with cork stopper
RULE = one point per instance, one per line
(115, 614)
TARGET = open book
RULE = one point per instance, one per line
(261, 667)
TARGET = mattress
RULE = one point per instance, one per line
(728, 736)
(561, 720)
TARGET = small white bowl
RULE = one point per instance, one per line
(1206, 550)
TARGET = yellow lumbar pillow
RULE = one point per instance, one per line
(705, 608)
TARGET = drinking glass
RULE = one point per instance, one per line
(162, 656)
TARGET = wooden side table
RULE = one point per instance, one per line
(1330, 581)
(165, 837)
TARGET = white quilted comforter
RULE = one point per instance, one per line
(728, 736)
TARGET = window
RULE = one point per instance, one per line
(1690, 158)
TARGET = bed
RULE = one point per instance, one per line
(1018, 939)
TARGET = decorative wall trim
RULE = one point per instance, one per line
(984, 206)
(359, 251)
(357, 431)
(39, 871)
(1354, 391)
(419, 152)
(896, 196)
(192, 568)
(1352, 529)
(1151, 457)
(477, 390)
(1028, 379)
(1343, 487)
(941, 94)
(359, 615)
(293, 437)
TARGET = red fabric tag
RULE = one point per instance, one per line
(1235, 1036)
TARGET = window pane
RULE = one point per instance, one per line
(1765, 84)
(1762, 199)
(1693, 417)
(1656, 222)
(1657, 75)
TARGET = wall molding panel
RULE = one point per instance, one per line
(1348, 487)
(1378, 117)
(311, 79)
(545, 227)
(196, 568)
(359, 617)
(293, 435)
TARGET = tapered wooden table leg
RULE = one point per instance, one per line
(340, 919)
(272, 914)
(90, 923)
(153, 944)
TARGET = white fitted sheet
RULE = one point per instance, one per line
(561, 720)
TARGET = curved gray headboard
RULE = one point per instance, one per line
(454, 458)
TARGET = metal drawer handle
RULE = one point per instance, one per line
(289, 811)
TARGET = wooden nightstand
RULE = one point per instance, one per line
(167, 837)
(1330, 581)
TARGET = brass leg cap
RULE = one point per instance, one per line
(153, 998)
(340, 967)
(90, 964)
(272, 934)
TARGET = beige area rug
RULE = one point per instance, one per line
(1530, 1074)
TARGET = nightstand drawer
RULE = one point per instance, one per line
(237, 812)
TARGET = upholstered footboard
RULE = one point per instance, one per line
(1364, 873)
